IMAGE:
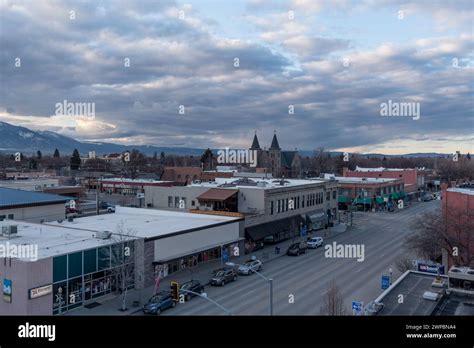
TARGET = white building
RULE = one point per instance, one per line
(77, 258)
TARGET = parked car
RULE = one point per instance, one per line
(427, 198)
(194, 286)
(158, 303)
(314, 242)
(296, 249)
(223, 276)
(107, 206)
(249, 267)
(73, 211)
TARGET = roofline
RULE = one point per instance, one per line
(35, 204)
(193, 230)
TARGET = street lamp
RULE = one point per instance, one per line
(269, 280)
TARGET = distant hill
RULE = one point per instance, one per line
(21, 139)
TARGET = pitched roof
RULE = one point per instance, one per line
(14, 197)
(275, 145)
(255, 143)
(287, 158)
(216, 194)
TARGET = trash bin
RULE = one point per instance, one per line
(277, 250)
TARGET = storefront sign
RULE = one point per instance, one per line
(40, 291)
(7, 290)
(430, 268)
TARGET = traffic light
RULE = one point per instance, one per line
(175, 291)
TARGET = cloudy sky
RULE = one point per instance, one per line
(334, 62)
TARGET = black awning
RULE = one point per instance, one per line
(270, 228)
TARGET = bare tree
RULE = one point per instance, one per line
(333, 303)
(404, 263)
(435, 231)
(123, 255)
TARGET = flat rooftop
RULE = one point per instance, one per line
(465, 191)
(261, 184)
(57, 238)
(146, 223)
(133, 181)
(412, 286)
(358, 180)
(381, 169)
(51, 240)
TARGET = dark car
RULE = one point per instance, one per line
(296, 249)
(158, 303)
(194, 286)
(223, 276)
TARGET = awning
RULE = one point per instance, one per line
(366, 200)
(344, 199)
(317, 217)
(216, 194)
(270, 228)
(379, 200)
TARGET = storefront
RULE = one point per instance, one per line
(164, 268)
(83, 276)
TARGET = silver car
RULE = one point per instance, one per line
(250, 267)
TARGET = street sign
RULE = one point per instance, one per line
(385, 282)
(225, 256)
(357, 306)
(140, 195)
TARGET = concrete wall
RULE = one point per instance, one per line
(50, 212)
(189, 243)
(157, 196)
(24, 276)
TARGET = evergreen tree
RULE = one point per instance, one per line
(56, 153)
(75, 160)
(39, 154)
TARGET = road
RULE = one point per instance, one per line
(305, 278)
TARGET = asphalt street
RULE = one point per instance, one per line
(304, 279)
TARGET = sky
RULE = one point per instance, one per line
(211, 73)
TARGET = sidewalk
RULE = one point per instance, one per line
(111, 304)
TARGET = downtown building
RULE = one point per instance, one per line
(274, 209)
(458, 215)
(52, 268)
(413, 179)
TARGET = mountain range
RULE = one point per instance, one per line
(21, 139)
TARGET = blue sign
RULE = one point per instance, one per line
(430, 268)
(7, 290)
(225, 256)
(357, 306)
(304, 231)
(385, 282)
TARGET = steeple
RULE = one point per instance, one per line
(275, 145)
(255, 143)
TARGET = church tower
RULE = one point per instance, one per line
(275, 157)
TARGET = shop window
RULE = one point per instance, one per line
(59, 268)
(74, 298)
(103, 258)
(59, 297)
(75, 264)
(90, 261)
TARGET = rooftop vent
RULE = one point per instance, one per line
(103, 234)
(9, 230)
